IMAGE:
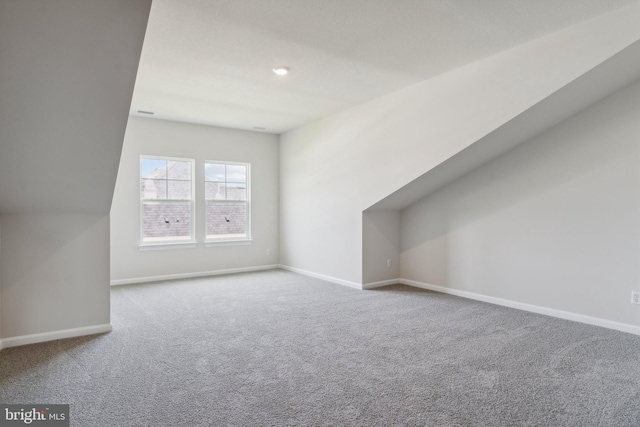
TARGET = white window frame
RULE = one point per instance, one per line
(225, 240)
(169, 242)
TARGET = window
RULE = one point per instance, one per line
(166, 200)
(227, 198)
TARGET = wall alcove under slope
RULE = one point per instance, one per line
(66, 81)
(579, 141)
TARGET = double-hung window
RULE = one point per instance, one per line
(166, 200)
(227, 199)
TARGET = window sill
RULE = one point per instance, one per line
(214, 243)
(166, 245)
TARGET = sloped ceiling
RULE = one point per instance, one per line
(67, 71)
(612, 75)
(210, 61)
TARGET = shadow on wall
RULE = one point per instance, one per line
(555, 222)
(580, 151)
(42, 237)
(55, 272)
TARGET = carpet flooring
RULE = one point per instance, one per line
(275, 348)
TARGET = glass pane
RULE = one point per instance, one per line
(178, 170)
(226, 219)
(214, 172)
(236, 191)
(179, 190)
(214, 191)
(236, 173)
(166, 221)
(152, 168)
(154, 189)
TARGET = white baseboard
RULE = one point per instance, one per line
(54, 335)
(624, 327)
(581, 318)
(191, 275)
(322, 276)
(374, 285)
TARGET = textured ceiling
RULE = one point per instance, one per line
(210, 61)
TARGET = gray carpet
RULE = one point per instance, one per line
(278, 349)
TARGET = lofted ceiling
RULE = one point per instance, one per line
(210, 61)
(614, 74)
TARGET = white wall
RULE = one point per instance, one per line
(380, 243)
(55, 273)
(66, 78)
(553, 223)
(166, 138)
(333, 169)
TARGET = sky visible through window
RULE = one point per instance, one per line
(166, 197)
(147, 166)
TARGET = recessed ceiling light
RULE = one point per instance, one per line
(281, 70)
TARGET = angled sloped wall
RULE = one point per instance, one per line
(333, 169)
(607, 78)
(66, 81)
(551, 226)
